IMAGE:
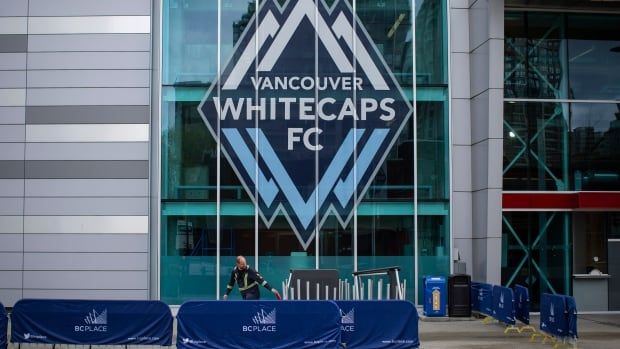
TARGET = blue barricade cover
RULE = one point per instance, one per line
(503, 305)
(4, 323)
(379, 324)
(553, 319)
(473, 296)
(571, 309)
(87, 322)
(522, 304)
(485, 299)
(258, 324)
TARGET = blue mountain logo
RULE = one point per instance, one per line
(306, 111)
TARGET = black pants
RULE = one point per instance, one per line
(251, 294)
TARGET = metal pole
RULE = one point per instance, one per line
(307, 290)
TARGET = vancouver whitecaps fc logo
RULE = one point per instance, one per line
(304, 97)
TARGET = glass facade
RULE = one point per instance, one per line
(561, 122)
(205, 208)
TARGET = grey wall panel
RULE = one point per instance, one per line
(12, 79)
(87, 169)
(89, 7)
(11, 242)
(84, 242)
(86, 294)
(89, 60)
(12, 61)
(11, 260)
(10, 296)
(11, 206)
(88, 78)
(12, 97)
(95, 114)
(13, 43)
(67, 261)
(11, 151)
(88, 96)
(11, 187)
(89, 42)
(87, 187)
(87, 151)
(98, 280)
(14, 8)
(11, 224)
(88, 133)
(89, 24)
(12, 115)
(11, 168)
(10, 279)
(86, 225)
(12, 133)
(13, 25)
(83, 206)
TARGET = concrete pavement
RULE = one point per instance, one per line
(595, 331)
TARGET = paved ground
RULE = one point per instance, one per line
(595, 331)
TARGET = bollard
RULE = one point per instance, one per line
(292, 293)
(326, 292)
(405, 289)
(298, 289)
(284, 295)
(387, 293)
(380, 289)
(318, 292)
(369, 296)
(335, 294)
(307, 290)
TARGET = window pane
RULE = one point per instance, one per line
(431, 46)
(389, 25)
(385, 241)
(433, 248)
(237, 237)
(189, 152)
(432, 151)
(188, 258)
(594, 56)
(535, 146)
(535, 56)
(595, 146)
(547, 237)
(189, 42)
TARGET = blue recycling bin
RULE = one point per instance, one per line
(435, 296)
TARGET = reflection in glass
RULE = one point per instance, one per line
(189, 42)
(188, 150)
(535, 63)
(188, 250)
(535, 146)
(595, 146)
(237, 237)
(594, 56)
(545, 236)
(431, 42)
(279, 251)
(385, 241)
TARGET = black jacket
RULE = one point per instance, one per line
(248, 280)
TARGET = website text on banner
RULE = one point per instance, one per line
(379, 324)
(86, 322)
(264, 324)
